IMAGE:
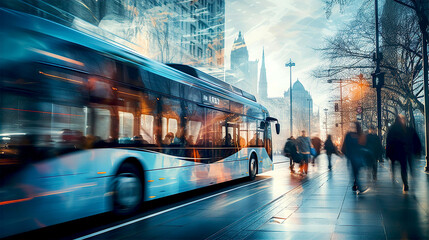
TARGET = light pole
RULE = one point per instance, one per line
(326, 122)
(426, 93)
(290, 64)
(341, 102)
(377, 76)
(309, 117)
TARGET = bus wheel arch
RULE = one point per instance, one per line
(253, 165)
(128, 187)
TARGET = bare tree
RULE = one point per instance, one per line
(350, 53)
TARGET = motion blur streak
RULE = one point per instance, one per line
(24, 110)
(48, 194)
(58, 57)
(63, 78)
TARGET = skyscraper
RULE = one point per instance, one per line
(243, 73)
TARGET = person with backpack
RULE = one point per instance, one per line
(290, 151)
(304, 147)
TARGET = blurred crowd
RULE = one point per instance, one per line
(362, 151)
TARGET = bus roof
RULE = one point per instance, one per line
(176, 72)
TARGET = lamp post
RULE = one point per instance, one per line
(290, 64)
(309, 116)
(341, 103)
(326, 122)
(377, 76)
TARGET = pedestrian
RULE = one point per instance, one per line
(375, 151)
(317, 144)
(353, 150)
(330, 149)
(414, 147)
(290, 151)
(304, 147)
(399, 146)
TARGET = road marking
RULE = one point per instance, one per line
(164, 211)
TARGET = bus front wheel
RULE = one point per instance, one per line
(253, 167)
(128, 190)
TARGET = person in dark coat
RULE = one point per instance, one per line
(414, 147)
(375, 151)
(290, 151)
(397, 148)
(353, 149)
(330, 149)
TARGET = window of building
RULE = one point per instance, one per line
(200, 52)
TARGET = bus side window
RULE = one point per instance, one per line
(243, 133)
(148, 121)
(102, 124)
(195, 118)
(231, 138)
(95, 62)
(171, 122)
(146, 128)
(252, 132)
(132, 76)
(159, 83)
(101, 91)
(191, 93)
(126, 127)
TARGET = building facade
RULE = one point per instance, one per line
(188, 32)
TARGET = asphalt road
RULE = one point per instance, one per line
(198, 214)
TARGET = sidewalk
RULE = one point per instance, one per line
(325, 207)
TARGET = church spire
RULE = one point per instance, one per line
(263, 91)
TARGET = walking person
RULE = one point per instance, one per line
(330, 149)
(290, 151)
(398, 147)
(414, 147)
(304, 147)
(375, 151)
(353, 150)
(317, 144)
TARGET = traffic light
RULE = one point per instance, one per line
(336, 107)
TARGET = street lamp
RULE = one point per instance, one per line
(309, 116)
(290, 64)
(326, 122)
(341, 103)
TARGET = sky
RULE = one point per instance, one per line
(287, 29)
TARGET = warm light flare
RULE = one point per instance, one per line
(65, 59)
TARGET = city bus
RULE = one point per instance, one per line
(88, 126)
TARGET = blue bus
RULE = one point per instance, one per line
(88, 126)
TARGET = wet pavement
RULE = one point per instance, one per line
(326, 208)
(277, 205)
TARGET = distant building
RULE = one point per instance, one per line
(302, 107)
(263, 85)
(243, 73)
